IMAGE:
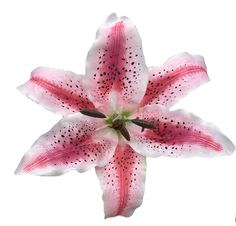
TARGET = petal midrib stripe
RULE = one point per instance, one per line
(61, 94)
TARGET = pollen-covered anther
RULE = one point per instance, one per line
(92, 113)
(125, 133)
(143, 123)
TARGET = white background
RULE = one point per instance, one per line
(58, 34)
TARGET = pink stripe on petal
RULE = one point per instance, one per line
(122, 181)
(76, 153)
(111, 62)
(58, 90)
(115, 64)
(177, 134)
(76, 142)
(174, 79)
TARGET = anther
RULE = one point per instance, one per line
(125, 133)
(92, 113)
(143, 123)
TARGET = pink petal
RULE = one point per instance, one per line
(57, 90)
(122, 181)
(170, 82)
(75, 142)
(115, 64)
(177, 134)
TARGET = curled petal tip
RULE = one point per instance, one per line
(112, 17)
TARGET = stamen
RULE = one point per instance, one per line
(143, 123)
(125, 133)
(92, 113)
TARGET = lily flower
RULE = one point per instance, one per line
(117, 114)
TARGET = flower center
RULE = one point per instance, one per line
(118, 121)
(118, 124)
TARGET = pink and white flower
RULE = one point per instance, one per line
(117, 114)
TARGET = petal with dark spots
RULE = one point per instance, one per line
(116, 69)
(178, 76)
(122, 181)
(57, 90)
(76, 142)
(177, 134)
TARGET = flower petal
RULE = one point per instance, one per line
(177, 134)
(57, 90)
(122, 181)
(75, 142)
(115, 64)
(179, 74)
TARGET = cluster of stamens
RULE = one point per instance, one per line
(119, 123)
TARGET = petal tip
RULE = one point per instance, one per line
(111, 18)
(18, 170)
(128, 214)
(105, 216)
(229, 147)
(24, 89)
(21, 88)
